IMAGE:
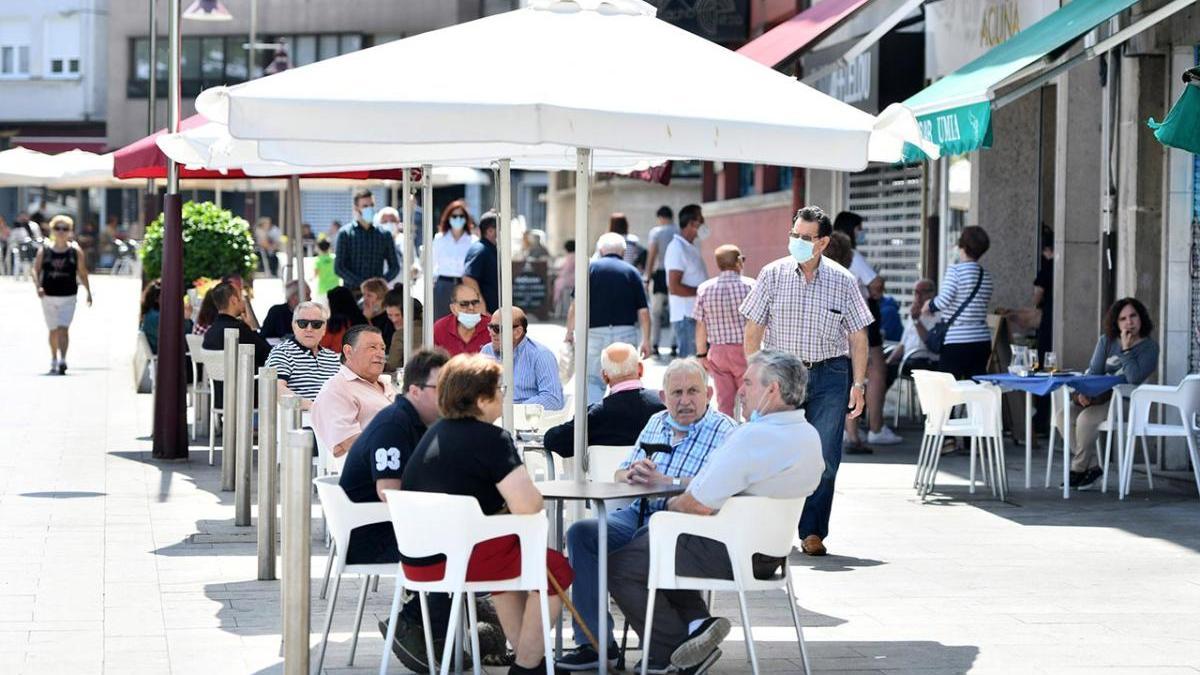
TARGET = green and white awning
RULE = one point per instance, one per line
(956, 111)
(1181, 128)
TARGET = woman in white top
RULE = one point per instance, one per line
(450, 245)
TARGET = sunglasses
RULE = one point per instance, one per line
(495, 328)
(60, 228)
(310, 323)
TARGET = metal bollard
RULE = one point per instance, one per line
(297, 551)
(268, 472)
(244, 459)
(229, 406)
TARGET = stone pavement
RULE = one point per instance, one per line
(110, 561)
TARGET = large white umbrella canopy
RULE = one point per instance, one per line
(22, 166)
(617, 79)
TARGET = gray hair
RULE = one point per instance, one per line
(786, 369)
(311, 305)
(617, 370)
(610, 243)
(689, 366)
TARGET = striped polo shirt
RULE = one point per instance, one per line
(971, 325)
(302, 370)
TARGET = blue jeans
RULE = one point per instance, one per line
(685, 336)
(825, 408)
(598, 339)
(583, 546)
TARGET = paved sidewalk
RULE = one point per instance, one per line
(109, 561)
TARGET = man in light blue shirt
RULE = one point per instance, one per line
(535, 369)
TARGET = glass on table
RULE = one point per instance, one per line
(1051, 362)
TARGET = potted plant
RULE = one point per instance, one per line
(215, 243)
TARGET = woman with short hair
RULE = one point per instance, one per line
(58, 269)
(465, 453)
(966, 289)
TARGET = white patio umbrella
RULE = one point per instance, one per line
(22, 166)
(674, 95)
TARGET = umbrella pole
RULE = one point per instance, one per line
(407, 206)
(427, 221)
(297, 237)
(504, 243)
(583, 161)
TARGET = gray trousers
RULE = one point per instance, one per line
(628, 573)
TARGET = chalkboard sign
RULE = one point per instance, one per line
(531, 288)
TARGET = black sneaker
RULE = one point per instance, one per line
(516, 669)
(584, 658)
(409, 645)
(1075, 478)
(1087, 481)
(62, 367)
(700, 643)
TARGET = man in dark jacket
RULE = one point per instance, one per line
(231, 305)
(620, 416)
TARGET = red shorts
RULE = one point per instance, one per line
(496, 560)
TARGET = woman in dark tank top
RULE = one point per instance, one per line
(57, 272)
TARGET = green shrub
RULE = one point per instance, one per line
(215, 243)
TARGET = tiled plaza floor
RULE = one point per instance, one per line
(101, 569)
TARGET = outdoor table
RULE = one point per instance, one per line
(598, 494)
(1042, 385)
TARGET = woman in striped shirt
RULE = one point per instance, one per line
(968, 341)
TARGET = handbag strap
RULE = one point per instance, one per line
(970, 297)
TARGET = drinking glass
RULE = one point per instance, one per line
(1051, 362)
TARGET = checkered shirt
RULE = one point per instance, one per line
(717, 303)
(809, 319)
(362, 252)
(687, 456)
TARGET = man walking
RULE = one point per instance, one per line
(364, 251)
(685, 272)
(617, 306)
(811, 307)
(720, 326)
(656, 273)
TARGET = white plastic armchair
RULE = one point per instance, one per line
(213, 361)
(341, 517)
(940, 393)
(430, 523)
(1185, 398)
(746, 525)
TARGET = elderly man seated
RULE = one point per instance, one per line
(535, 368)
(671, 449)
(912, 341)
(619, 418)
(303, 365)
(777, 454)
(352, 397)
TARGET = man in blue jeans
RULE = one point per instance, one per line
(810, 306)
(671, 449)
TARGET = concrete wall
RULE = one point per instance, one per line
(758, 225)
(637, 199)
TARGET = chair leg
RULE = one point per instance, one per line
(791, 593)
(1106, 457)
(1195, 453)
(429, 655)
(375, 587)
(451, 630)
(1050, 453)
(933, 469)
(646, 632)
(973, 450)
(1126, 463)
(1146, 460)
(393, 615)
(212, 434)
(337, 582)
(358, 615)
(328, 570)
(473, 625)
(748, 632)
(547, 637)
(920, 460)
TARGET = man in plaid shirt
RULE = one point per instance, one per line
(810, 306)
(362, 250)
(720, 326)
(679, 439)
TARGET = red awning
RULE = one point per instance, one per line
(143, 159)
(53, 146)
(792, 36)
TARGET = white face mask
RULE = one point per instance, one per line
(458, 222)
(469, 320)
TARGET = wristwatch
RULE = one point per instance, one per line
(676, 481)
(861, 386)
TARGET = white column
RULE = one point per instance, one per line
(407, 205)
(504, 243)
(583, 161)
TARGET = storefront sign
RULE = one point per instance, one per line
(956, 130)
(726, 21)
(958, 31)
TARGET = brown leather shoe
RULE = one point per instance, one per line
(812, 545)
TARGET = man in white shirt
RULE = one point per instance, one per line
(685, 272)
(912, 342)
(777, 454)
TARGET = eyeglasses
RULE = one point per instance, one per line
(61, 228)
(495, 328)
(804, 237)
(502, 388)
(467, 304)
(313, 323)
(426, 386)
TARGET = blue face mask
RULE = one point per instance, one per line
(368, 214)
(860, 238)
(801, 250)
(682, 428)
(458, 222)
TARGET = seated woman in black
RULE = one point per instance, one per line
(466, 454)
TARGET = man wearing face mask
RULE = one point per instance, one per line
(364, 251)
(464, 329)
(811, 307)
(685, 272)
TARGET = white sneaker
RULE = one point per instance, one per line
(885, 436)
(53, 366)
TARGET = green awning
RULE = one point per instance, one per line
(956, 111)
(1181, 128)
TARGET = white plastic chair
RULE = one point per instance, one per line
(905, 385)
(939, 393)
(1186, 399)
(199, 389)
(746, 525)
(431, 523)
(602, 462)
(1112, 427)
(213, 361)
(341, 517)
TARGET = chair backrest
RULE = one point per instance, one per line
(343, 515)
(1189, 398)
(930, 394)
(195, 343)
(768, 525)
(325, 459)
(213, 361)
(604, 460)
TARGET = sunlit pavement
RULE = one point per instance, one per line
(112, 562)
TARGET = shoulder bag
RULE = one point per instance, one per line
(935, 337)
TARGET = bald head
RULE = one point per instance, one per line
(520, 327)
(729, 257)
(610, 243)
(619, 363)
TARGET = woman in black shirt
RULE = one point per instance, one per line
(58, 270)
(466, 454)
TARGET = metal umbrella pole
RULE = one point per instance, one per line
(297, 238)
(407, 206)
(583, 177)
(504, 243)
(427, 225)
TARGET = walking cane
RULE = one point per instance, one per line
(574, 612)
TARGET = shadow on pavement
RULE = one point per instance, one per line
(63, 495)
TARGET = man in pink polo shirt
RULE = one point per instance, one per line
(350, 399)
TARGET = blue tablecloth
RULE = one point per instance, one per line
(1040, 385)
